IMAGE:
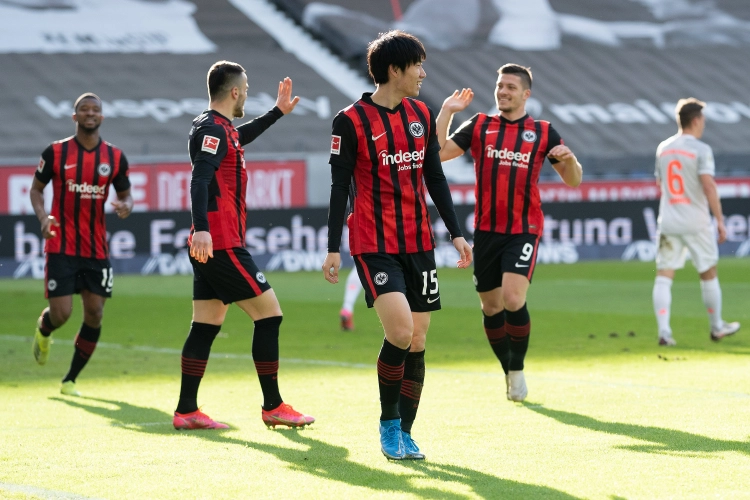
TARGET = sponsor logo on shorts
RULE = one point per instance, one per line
(416, 129)
(475, 280)
(381, 278)
(104, 169)
(430, 301)
(260, 277)
(210, 144)
(518, 264)
(51, 285)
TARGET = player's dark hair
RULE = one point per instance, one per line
(522, 72)
(688, 110)
(394, 48)
(87, 95)
(222, 76)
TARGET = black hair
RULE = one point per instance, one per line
(688, 110)
(522, 72)
(221, 78)
(87, 95)
(394, 48)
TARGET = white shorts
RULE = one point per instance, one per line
(673, 248)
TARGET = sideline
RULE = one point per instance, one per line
(344, 364)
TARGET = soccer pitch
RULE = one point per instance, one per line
(610, 415)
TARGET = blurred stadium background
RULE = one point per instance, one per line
(607, 75)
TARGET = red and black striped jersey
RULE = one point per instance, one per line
(508, 158)
(80, 186)
(385, 149)
(215, 147)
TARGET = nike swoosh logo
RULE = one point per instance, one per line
(430, 301)
(66, 167)
(491, 132)
(519, 265)
(374, 138)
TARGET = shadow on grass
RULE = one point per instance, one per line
(667, 441)
(326, 460)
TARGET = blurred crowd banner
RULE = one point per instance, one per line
(294, 239)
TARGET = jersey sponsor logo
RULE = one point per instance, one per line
(210, 144)
(512, 158)
(403, 157)
(51, 285)
(416, 129)
(430, 301)
(41, 165)
(528, 136)
(381, 278)
(260, 277)
(104, 169)
(86, 190)
(376, 137)
(335, 144)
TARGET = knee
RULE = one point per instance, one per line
(401, 336)
(492, 309)
(92, 316)
(514, 300)
(60, 314)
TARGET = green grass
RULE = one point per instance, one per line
(607, 416)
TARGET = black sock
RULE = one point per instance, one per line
(266, 358)
(411, 389)
(195, 354)
(390, 375)
(518, 326)
(494, 328)
(85, 344)
(45, 325)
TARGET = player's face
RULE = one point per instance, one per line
(239, 108)
(409, 81)
(88, 115)
(700, 125)
(510, 94)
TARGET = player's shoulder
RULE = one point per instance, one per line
(61, 141)
(423, 106)
(107, 144)
(208, 123)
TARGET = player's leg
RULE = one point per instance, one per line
(705, 254)
(412, 384)
(85, 340)
(351, 292)
(208, 316)
(670, 255)
(257, 299)
(59, 281)
(518, 328)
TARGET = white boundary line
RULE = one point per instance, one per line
(344, 364)
(41, 492)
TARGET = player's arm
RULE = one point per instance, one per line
(124, 204)
(41, 178)
(343, 159)
(206, 157)
(563, 160)
(284, 105)
(706, 169)
(455, 103)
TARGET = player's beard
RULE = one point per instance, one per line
(239, 109)
(89, 130)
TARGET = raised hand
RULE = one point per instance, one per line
(284, 100)
(458, 101)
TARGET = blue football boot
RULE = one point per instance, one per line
(391, 443)
(411, 450)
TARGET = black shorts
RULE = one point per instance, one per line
(67, 274)
(413, 274)
(496, 253)
(230, 276)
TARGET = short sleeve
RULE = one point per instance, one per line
(121, 182)
(343, 142)
(553, 139)
(464, 133)
(706, 164)
(208, 145)
(45, 170)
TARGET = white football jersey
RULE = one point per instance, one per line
(680, 160)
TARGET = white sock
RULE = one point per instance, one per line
(353, 287)
(662, 296)
(711, 293)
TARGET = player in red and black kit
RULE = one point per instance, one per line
(508, 150)
(384, 147)
(224, 271)
(81, 168)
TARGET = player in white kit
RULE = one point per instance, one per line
(685, 173)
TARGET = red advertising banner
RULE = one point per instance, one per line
(625, 190)
(166, 186)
